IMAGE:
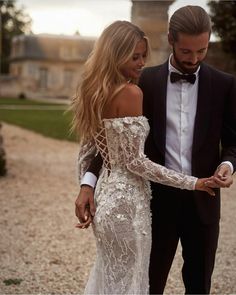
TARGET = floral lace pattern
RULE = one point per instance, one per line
(122, 223)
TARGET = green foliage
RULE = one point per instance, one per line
(13, 22)
(9, 282)
(223, 15)
(52, 123)
(17, 101)
(3, 168)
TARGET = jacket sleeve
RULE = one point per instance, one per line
(87, 152)
(228, 140)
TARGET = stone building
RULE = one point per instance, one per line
(45, 65)
(51, 65)
(152, 17)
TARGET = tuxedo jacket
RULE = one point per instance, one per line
(214, 135)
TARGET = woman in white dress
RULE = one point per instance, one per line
(109, 120)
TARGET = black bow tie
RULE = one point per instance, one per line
(174, 77)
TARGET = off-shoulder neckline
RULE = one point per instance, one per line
(124, 118)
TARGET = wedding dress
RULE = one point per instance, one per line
(122, 222)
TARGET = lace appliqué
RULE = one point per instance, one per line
(122, 223)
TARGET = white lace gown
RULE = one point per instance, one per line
(122, 223)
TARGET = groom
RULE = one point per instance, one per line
(191, 108)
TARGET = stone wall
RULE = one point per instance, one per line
(9, 86)
(152, 17)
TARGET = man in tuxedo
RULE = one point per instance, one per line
(191, 108)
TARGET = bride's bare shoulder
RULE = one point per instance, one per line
(129, 101)
(131, 91)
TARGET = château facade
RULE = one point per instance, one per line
(51, 65)
(46, 65)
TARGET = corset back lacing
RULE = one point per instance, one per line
(101, 143)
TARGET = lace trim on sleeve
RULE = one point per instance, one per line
(138, 163)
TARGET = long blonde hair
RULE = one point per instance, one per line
(102, 78)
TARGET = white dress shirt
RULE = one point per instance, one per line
(181, 106)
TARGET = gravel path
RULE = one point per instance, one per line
(38, 242)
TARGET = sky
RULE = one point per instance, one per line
(89, 17)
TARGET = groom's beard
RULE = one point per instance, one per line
(181, 65)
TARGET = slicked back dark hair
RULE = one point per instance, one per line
(191, 20)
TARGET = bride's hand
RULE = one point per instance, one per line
(201, 185)
(87, 222)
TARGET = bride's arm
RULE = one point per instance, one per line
(136, 160)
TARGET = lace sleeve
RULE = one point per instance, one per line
(87, 152)
(137, 162)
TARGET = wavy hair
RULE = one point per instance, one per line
(102, 78)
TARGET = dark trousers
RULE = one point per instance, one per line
(174, 218)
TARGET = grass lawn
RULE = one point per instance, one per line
(51, 123)
(17, 101)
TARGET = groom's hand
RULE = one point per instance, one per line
(85, 201)
(222, 177)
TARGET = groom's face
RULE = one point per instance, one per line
(189, 51)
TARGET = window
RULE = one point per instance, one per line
(43, 78)
(68, 78)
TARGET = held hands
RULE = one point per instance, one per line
(201, 185)
(84, 207)
(221, 178)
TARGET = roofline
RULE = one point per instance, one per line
(27, 58)
(54, 36)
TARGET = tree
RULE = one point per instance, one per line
(13, 21)
(3, 168)
(223, 15)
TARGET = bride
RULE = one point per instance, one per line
(108, 118)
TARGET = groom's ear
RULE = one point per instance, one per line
(170, 39)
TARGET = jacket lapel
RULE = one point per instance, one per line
(159, 114)
(204, 105)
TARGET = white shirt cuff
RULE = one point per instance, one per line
(89, 179)
(230, 165)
